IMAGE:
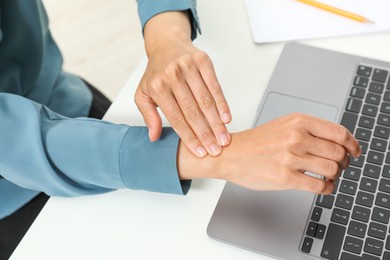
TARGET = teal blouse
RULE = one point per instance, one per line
(46, 142)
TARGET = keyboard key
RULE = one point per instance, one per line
(363, 146)
(360, 81)
(358, 162)
(320, 232)
(357, 92)
(382, 200)
(349, 121)
(357, 229)
(386, 170)
(311, 229)
(386, 96)
(348, 256)
(364, 71)
(344, 201)
(373, 246)
(388, 158)
(381, 215)
(386, 256)
(388, 84)
(380, 75)
(353, 173)
(348, 187)
(363, 134)
(382, 132)
(373, 98)
(354, 105)
(384, 120)
(378, 144)
(385, 107)
(368, 184)
(376, 87)
(335, 186)
(325, 201)
(377, 230)
(367, 122)
(370, 257)
(388, 243)
(375, 157)
(361, 213)
(353, 244)
(307, 244)
(316, 214)
(340, 216)
(384, 185)
(333, 241)
(372, 171)
(365, 199)
(370, 110)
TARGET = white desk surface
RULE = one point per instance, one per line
(129, 224)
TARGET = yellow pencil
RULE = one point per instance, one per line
(336, 10)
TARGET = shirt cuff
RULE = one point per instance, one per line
(151, 165)
(149, 8)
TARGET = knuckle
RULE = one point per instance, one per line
(178, 122)
(157, 86)
(339, 153)
(206, 102)
(173, 71)
(331, 169)
(318, 186)
(185, 62)
(342, 133)
(296, 139)
(205, 137)
(192, 113)
(191, 139)
(201, 57)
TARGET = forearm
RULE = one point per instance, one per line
(44, 151)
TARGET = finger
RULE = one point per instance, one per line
(207, 104)
(169, 106)
(324, 167)
(209, 76)
(195, 118)
(328, 150)
(335, 133)
(301, 181)
(150, 115)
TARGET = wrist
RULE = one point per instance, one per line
(191, 167)
(166, 30)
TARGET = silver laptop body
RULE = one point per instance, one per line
(274, 223)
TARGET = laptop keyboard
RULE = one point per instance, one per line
(353, 222)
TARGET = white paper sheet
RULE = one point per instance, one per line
(284, 20)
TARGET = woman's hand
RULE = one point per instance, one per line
(181, 81)
(276, 155)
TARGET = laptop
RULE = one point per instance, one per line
(352, 222)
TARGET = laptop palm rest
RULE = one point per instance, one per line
(256, 219)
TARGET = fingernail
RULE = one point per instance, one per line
(201, 151)
(149, 131)
(225, 118)
(215, 149)
(223, 139)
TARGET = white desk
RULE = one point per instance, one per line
(140, 225)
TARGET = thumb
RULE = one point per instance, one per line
(151, 117)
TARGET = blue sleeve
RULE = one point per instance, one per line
(149, 8)
(44, 151)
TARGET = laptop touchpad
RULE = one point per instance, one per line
(277, 105)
